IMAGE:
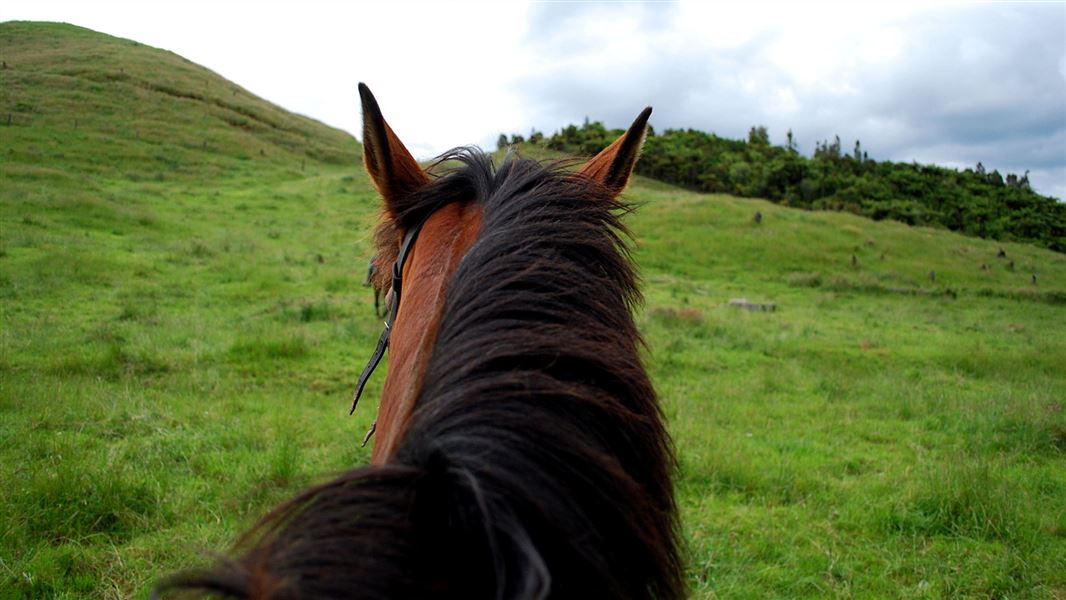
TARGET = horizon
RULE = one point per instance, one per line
(947, 84)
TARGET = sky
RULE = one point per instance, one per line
(950, 83)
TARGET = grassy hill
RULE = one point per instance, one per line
(182, 324)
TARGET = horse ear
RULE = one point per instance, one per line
(614, 164)
(395, 172)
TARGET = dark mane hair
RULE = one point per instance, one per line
(536, 463)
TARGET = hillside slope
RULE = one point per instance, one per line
(182, 325)
(74, 96)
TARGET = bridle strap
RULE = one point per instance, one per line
(379, 352)
(397, 286)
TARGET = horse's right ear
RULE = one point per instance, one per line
(612, 167)
(394, 171)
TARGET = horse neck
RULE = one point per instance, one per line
(444, 238)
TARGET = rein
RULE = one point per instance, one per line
(394, 307)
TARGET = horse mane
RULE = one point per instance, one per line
(536, 462)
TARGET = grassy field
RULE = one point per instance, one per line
(183, 322)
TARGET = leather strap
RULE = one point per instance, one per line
(397, 287)
(379, 352)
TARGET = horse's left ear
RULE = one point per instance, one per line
(395, 172)
(614, 164)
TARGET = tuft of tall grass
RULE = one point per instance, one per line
(270, 347)
(967, 498)
(77, 500)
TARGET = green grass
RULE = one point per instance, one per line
(877, 435)
(182, 324)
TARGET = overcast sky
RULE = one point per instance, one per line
(950, 83)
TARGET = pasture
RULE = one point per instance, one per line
(183, 323)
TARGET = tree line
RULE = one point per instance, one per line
(973, 201)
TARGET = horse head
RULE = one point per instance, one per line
(447, 227)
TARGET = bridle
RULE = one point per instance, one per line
(393, 308)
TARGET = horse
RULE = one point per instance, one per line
(521, 451)
(371, 272)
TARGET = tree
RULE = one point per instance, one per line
(759, 136)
